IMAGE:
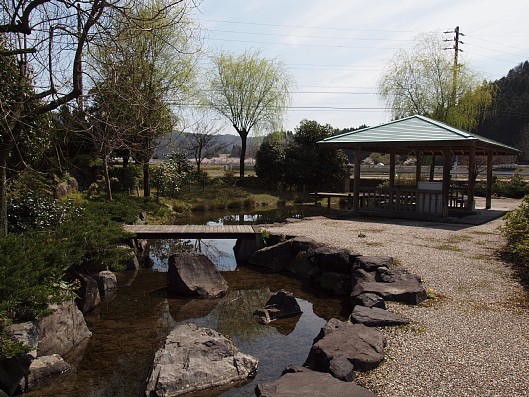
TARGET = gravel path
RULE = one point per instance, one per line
(473, 339)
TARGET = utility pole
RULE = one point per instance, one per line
(456, 49)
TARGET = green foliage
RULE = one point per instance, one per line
(270, 160)
(311, 165)
(169, 177)
(515, 187)
(302, 162)
(516, 231)
(505, 119)
(32, 206)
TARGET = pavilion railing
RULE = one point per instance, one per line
(407, 199)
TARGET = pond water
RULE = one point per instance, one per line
(132, 324)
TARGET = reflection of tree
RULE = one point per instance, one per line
(233, 317)
(213, 252)
(163, 249)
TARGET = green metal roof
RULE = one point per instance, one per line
(416, 133)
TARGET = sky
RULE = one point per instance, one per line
(336, 50)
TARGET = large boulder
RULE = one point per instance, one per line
(385, 275)
(88, 292)
(376, 317)
(410, 292)
(42, 368)
(62, 330)
(361, 345)
(369, 299)
(106, 281)
(332, 260)
(371, 263)
(276, 257)
(195, 359)
(194, 274)
(337, 283)
(282, 304)
(310, 383)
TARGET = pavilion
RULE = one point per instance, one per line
(419, 136)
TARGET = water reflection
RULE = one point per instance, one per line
(129, 328)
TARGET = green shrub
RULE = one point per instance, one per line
(516, 231)
(514, 187)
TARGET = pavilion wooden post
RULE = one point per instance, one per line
(393, 197)
(488, 196)
(471, 180)
(392, 168)
(356, 180)
(418, 156)
(446, 181)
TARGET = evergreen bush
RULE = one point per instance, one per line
(516, 231)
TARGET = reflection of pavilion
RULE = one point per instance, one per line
(418, 136)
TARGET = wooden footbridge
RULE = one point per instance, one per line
(194, 231)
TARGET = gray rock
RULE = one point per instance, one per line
(337, 283)
(88, 293)
(330, 326)
(193, 274)
(282, 304)
(371, 263)
(195, 359)
(360, 275)
(62, 330)
(370, 299)
(44, 367)
(131, 262)
(332, 260)
(385, 275)
(276, 257)
(342, 369)
(244, 248)
(106, 281)
(27, 333)
(376, 317)
(411, 293)
(361, 345)
(303, 264)
(310, 383)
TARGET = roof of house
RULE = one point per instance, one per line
(417, 133)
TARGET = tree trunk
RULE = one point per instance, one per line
(146, 186)
(243, 135)
(432, 169)
(107, 178)
(126, 158)
(3, 196)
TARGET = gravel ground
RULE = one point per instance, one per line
(473, 338)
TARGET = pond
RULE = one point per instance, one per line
(132, 324)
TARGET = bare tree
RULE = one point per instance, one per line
(203, 139)
(46, 40)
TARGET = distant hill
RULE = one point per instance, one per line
(173, 142)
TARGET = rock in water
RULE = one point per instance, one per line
(193, 274)
(195, 359)
(282, 304)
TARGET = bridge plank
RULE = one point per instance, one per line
(192, 231)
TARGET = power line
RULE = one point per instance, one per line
(309, 27)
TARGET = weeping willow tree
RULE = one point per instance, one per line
(251, 92)
(424, 80)
(421, 81)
